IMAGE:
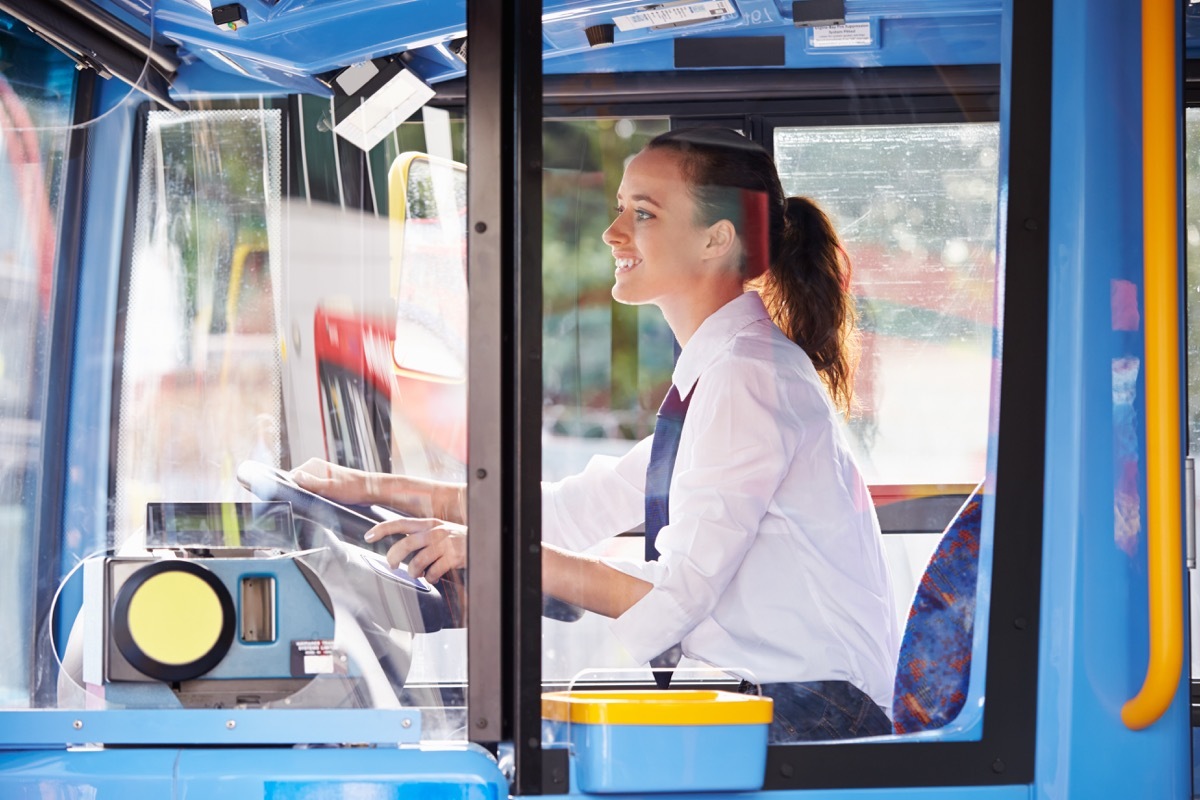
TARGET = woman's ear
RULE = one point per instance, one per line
(722, 239)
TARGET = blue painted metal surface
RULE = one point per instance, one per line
(49, 729)
(905, 42)
(1015, 792)
(1094, 598)
(286, 43)
(460, 772)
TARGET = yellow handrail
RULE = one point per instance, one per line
(1163, 452)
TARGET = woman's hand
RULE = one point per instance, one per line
(418, 496)
(436, 546)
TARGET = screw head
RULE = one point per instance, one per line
(481, 473)
(77, 724)
(480, 227)
(406, 723)
(230, 724)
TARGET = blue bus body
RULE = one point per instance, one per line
(1062, 612)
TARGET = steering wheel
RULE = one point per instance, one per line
(349, 522)
(360, 567)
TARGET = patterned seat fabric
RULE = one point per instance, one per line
(934, 667)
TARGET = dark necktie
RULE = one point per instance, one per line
(658, 493)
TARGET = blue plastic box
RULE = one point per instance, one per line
(661, 741)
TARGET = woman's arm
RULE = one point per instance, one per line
(419, 496)
(588, 582)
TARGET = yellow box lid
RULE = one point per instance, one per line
(657, 707)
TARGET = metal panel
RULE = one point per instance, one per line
(1095, 645)
(374, 773)
(26, 729)
(504, 121)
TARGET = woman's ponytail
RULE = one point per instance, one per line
(807, 294)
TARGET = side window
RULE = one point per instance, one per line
(919, 222)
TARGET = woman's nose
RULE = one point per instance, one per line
(615, 232)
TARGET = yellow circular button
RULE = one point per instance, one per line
(175, 618)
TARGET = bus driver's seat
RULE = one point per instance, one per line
(934, 668)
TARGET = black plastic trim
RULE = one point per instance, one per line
(628, 89)
(920, 514)
(1191, 82)
(730, 51)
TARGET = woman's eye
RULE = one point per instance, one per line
(641, 215)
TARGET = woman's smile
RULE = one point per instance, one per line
(626, 263)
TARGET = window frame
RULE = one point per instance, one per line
(1191, 99)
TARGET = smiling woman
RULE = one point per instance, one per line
(747, 484)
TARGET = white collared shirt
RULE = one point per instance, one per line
(772, 565)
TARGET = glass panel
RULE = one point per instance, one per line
(606, 365)
(321, 326)
(200, 383)
(37, 86)
(1192, 232)
(919, 222)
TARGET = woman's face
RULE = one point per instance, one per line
(658, 246)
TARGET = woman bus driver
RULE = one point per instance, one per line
(770, 562)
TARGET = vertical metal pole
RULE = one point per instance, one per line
(504, 122)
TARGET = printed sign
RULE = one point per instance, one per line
(852, 34)
(655, 16)
(311, 657)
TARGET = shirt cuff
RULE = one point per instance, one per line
(649, 571)
(651, 625)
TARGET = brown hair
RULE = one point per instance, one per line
(806, 287)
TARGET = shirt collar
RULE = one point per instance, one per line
(712, 338)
